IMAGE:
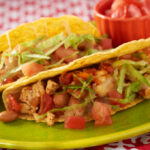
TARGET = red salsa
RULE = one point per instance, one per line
(128, 8)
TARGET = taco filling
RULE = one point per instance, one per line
(92, 93)
(43, 53)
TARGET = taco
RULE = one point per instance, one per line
(107, 82)
(45, 44)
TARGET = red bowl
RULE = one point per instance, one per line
(121, 30)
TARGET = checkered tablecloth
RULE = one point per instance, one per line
(15, 12)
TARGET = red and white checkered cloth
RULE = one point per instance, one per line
(15, 12)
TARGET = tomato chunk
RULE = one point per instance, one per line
(115, 94)
(133, 11)
(62, 52)
(114, 102)
(106, 43)
(8, 80)
(120, 12)
(46, 104)
(146, 7)
(13, 105)
(75, 122)
(91, 71)
(30, 69)
(107, 67)
(83, 75)
(101, 113)
(128, 8)
(66, 78)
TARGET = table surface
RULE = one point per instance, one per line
(16, 12)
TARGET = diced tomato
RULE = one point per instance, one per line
(146, 7)
(114, 102)
(133, 11)
(120, 12)
(46, 104)
(106, 43)
(83, 75)
(30, 69)
(91, 71)
(8, 80)
(97, 46)
(134, 2)
(107, 67)
(108, 13)
(142, 92)
(66, 78)
(115, 94)
(75, 122)
(128, 8)
(101, 113)
(13, 105)
(62, 52)
(116, 4)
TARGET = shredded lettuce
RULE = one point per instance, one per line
(51, 42)
(85, 86)
(32, 43)
(142, 55)
(133, 87)
(74, 40)
(91, 51)
(116, 74)
(26, 56)
(145, 70)
(121, 79)
(130, 92)
(36, 50)
(56, 45)
(51, 50)
(136, 74)
(135, 63)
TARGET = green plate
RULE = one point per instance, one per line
(30, 135)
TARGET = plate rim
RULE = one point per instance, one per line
(86, 142)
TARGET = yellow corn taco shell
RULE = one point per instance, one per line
(44, 26)
(124, 49)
